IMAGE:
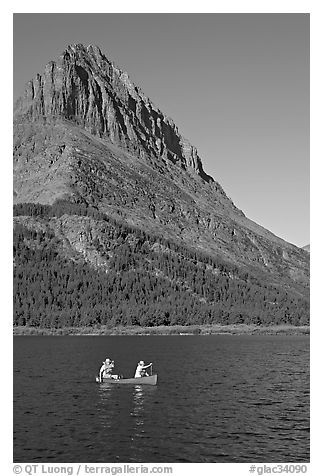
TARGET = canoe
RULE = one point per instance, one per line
(149, 380)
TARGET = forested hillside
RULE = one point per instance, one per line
(136, 278)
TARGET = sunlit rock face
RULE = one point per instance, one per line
(84, 86)
(84, 132)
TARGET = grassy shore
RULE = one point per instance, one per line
(234, 329)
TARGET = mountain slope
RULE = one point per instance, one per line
(76, 266)
(85, 134)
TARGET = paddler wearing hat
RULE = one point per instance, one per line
(140, 370)
(106, 369)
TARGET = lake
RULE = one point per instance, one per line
(219, 398)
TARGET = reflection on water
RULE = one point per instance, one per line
(141, 400)
(123, 413)
(103, 404)
(228, 399)
(138, 413)
(138, 404)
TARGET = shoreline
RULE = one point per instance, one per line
(211, 329)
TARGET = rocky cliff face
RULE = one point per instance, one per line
(84, 86)
(85, 133)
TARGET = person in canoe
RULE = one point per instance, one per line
(141, 369)
(106, 369)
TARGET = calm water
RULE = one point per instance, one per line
(218, 399)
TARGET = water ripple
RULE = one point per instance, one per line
(219, 399)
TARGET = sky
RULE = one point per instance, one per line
(236, 85)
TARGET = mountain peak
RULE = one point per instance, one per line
(83, 86)
(85, 133)
(79, 49)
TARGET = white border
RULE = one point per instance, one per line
(316, 211)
